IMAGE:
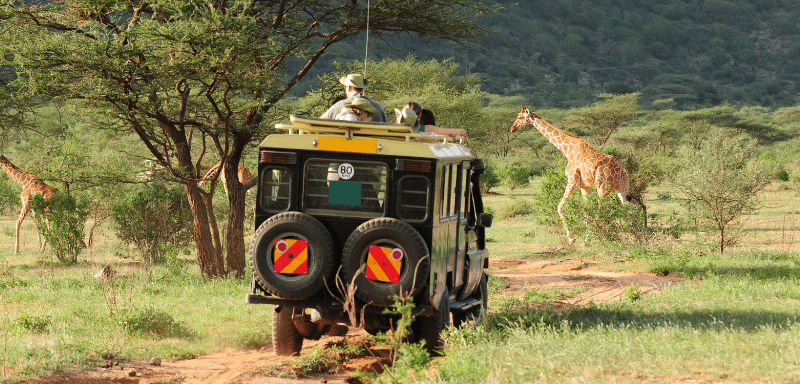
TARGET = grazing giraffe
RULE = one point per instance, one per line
(30, 187)
(244, 176)
(586, 166)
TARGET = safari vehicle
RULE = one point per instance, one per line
(377, 208)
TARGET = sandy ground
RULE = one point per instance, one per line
(262, 366)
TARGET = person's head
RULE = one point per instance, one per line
(361, 108)
(354, 84)
(427, 118)
(414, 106)
(407, 116)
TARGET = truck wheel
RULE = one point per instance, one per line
(274, 235)
(286, 340)
(478, 312)
(430, 328)
(402, 241)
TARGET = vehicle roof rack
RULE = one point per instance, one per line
(350, 129)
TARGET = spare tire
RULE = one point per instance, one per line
(305, 255)
(402, 243)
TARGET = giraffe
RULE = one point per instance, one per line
(586, 166)
(30, 187)
(244, 176)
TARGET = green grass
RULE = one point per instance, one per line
(57, 317)
(733, 319)
(737, 319)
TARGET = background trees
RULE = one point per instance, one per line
(196, 81)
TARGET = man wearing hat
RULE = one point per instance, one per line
(354, 85)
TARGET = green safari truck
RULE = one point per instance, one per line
(350, 215)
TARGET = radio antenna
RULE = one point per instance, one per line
(366, 44)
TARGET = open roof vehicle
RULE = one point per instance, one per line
(375, 205)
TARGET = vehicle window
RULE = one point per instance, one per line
(445, 197)
(413, 196)
(275, 189)
(345, 188)
(464, 191)
(454, 170)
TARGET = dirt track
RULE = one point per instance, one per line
(259, 366)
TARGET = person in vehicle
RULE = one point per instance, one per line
(354, 86)
(359, 109)
(410, 117)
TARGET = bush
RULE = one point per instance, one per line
(151, 216)
(782, 175)
(604, 219)
(61, 220)
(151, 322)
(489, 179)
(514, 175)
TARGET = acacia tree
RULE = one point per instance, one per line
(604, 117)
(719, 182)
(194, 77)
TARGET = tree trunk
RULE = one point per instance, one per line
(235, 258)
(211, 265)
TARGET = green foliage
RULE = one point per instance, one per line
(605, 220)
(782, 175)
(33, 323)
(408, 359)
(151, 322)
(719, 181)
(514, 175)
(152, 217)
(516, 207)
(61, 220)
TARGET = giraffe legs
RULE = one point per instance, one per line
(22, 216)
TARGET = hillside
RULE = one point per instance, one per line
(682, 54)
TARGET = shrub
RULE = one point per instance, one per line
(514, 175)
(33, 324)
(782, 175)
(604, 219)
(516, 207)
(151, 322)
(489, 179)
(61, 220)
(151, 216)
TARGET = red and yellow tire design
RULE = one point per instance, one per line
(291, 256)
(383, 264)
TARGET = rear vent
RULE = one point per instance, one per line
(278, 157)
(422, 166)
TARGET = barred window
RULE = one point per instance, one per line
(276, 187)
(413, 198)
(345, 189)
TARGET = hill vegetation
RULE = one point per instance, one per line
(680, 54)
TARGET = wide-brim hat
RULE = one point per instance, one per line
(407, 116)
(363, 104)
(354, 80)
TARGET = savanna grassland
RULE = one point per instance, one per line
(733, 318)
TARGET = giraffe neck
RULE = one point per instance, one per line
(562, 140)
(18, 175)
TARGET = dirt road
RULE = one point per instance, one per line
(259, 366)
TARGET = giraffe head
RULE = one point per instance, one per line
(524, 118)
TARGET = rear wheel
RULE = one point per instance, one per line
(478, 312)
(292, 255)
(286, 339)
(383, 278)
